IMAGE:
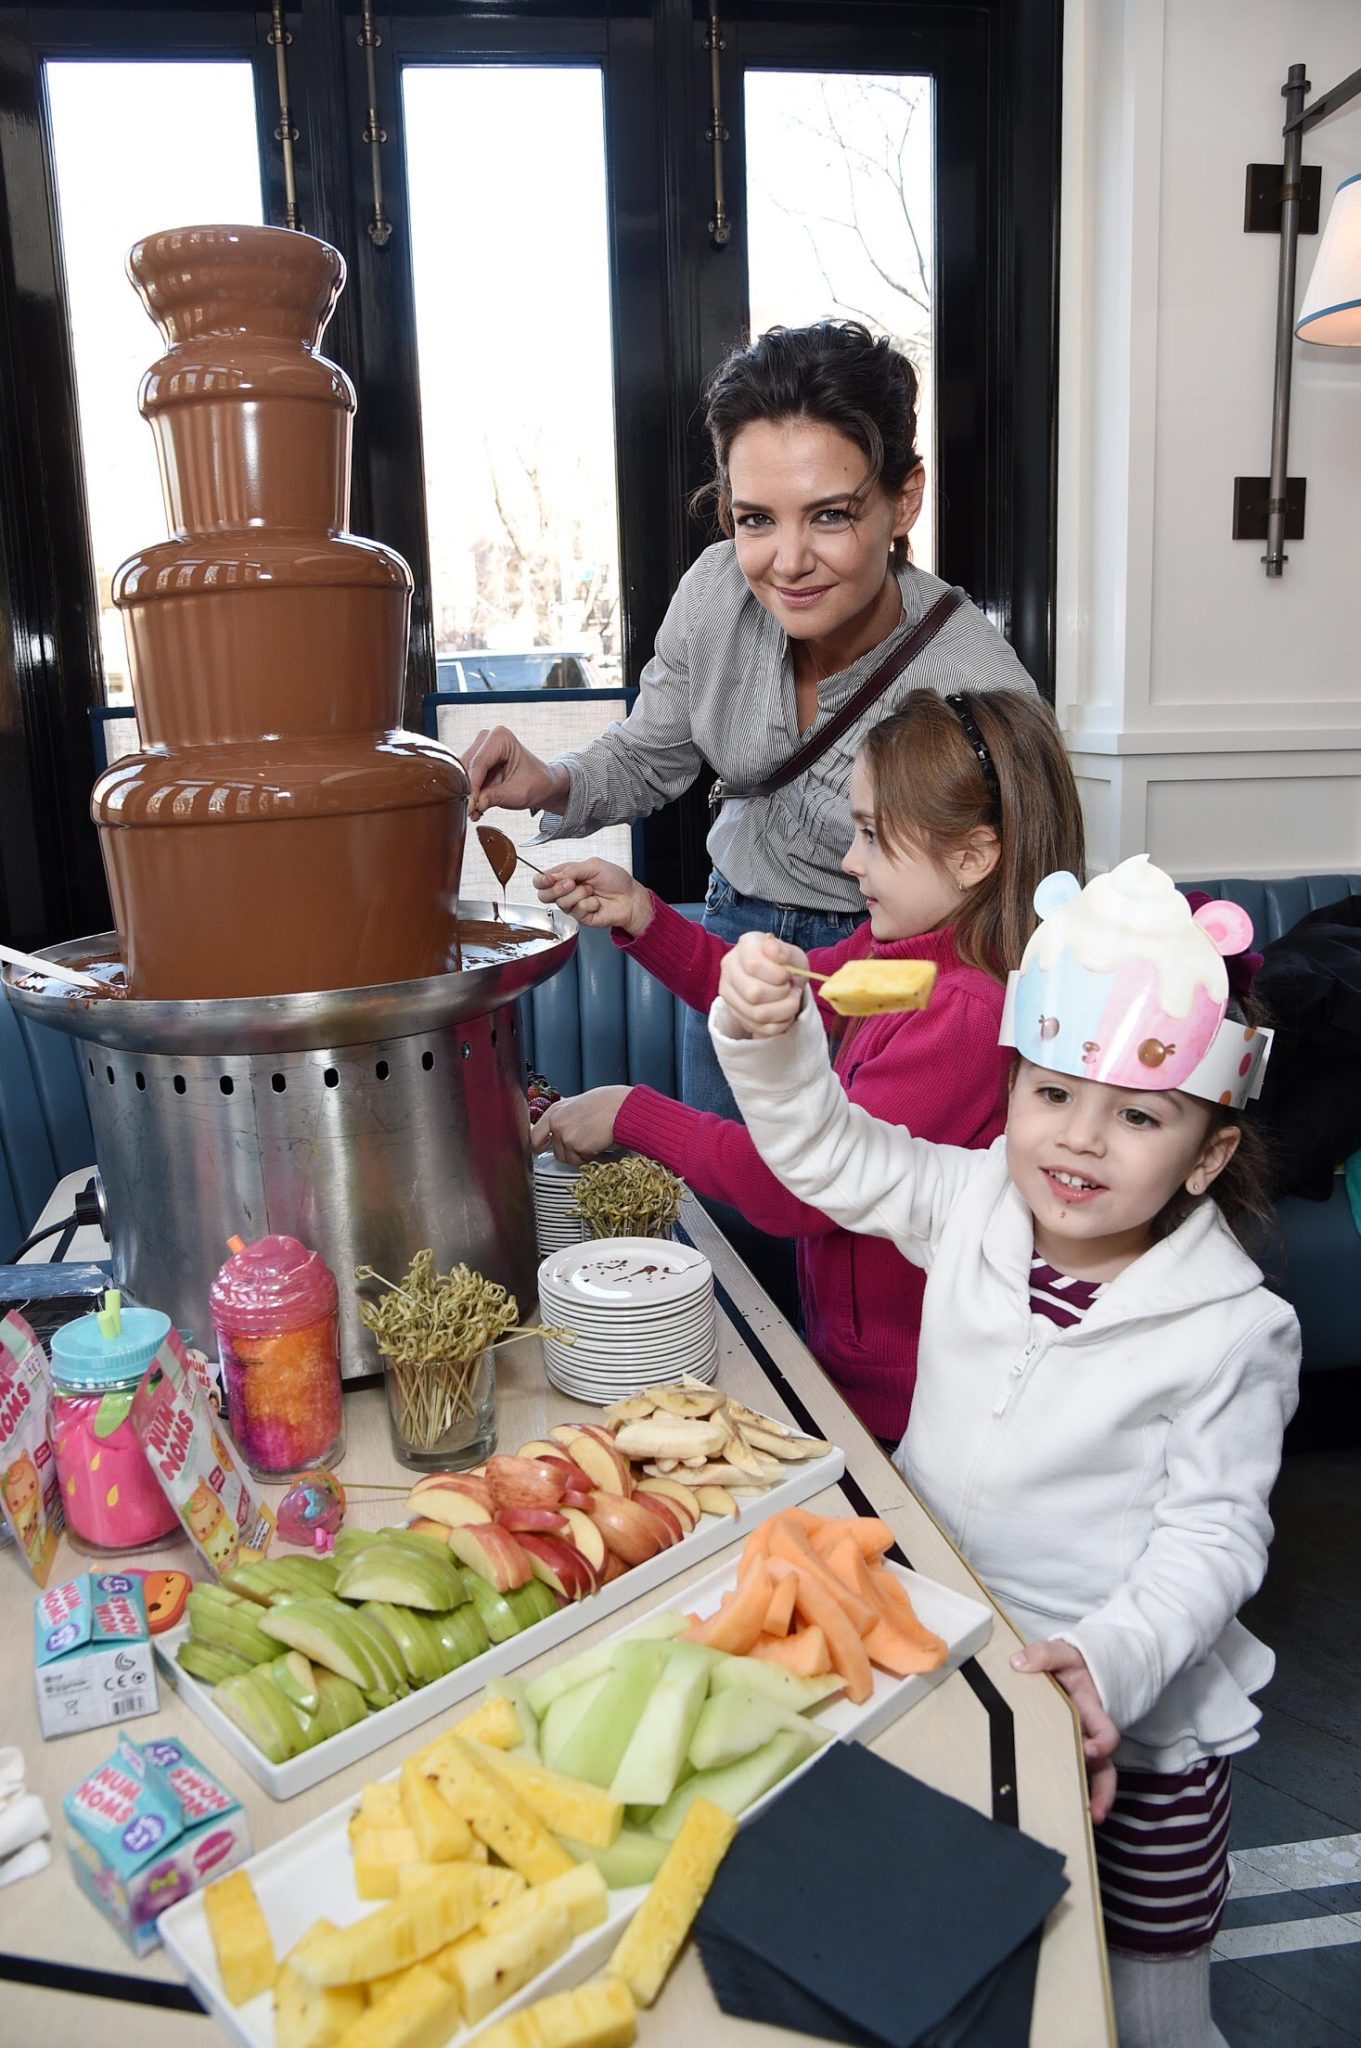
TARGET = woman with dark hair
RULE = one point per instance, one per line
(782, 646)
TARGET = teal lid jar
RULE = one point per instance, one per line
(111, 1497)
(84, 1359)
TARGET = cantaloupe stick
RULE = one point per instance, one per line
(893, 1652)
(754, 1550)
(736, 1625)
(780, 1612)
(870, 1536)
(816, 1604)
(895, 1604)
(793, 1546)
(804, 1652)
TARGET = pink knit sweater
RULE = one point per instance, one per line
(939, 1071)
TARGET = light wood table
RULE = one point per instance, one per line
(1005, 1743)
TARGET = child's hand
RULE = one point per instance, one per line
(580, 1127)
(757, 986)
(1100, 1736)
(595, 892)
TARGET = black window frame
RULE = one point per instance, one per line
(677, 305)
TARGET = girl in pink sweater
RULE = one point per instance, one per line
(960, 805)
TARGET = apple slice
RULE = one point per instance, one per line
(607, 1467)
(578, 1496)
(630, 1532)
(582, 1531)
(539, 1447)
(565, 1432)
(666, 1513)
(672, 1490)
(533, 1522)
(449, 1482)
(425, 1525)
(715, 1500)
(614, 1568)
(451, 1508)
(493, 1553)
(525, 1483)
(561, 1566)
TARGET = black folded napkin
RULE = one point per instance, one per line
(865, 1907)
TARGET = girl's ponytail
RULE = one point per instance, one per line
(931, 790)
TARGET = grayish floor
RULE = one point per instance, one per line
(1302, 1782)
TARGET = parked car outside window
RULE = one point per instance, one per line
(473, 670)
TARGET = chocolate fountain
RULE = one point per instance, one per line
(305, 1031)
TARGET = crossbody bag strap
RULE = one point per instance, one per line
(873, 687)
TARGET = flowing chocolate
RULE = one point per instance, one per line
(277, 833)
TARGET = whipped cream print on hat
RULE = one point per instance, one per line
(1122, 983)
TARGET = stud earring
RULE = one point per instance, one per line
(1196, 1185)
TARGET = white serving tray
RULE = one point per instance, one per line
(310, 1873)
(300, 1773)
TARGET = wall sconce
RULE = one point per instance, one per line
(1272, 508)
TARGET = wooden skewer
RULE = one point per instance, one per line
(809, 973)
(32, 964)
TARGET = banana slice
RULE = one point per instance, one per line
(743, 1455)
(792, 1447)
(635, 1409)
(666, 1436)
(682, 1401)
(740, 1414)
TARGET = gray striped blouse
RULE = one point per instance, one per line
(720, 689)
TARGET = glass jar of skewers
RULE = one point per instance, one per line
(437, 1335)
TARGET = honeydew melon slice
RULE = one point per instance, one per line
(650, 1768)
(597, 1743)
(786, 1688)
(734, 1788)
(564, 1678)
(563, 1716)
(734, 1723)
(515, 1690)
(631, 1858)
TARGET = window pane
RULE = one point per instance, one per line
(546, 729)
(840, 218)
(182, 149)
(506, 167)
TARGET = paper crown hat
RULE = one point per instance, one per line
(1121, 983)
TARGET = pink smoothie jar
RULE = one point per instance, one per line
(275, 1308)
(112, 1498)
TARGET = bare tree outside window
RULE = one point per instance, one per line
(840, 217)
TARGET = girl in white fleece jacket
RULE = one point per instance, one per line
(1103, 1380)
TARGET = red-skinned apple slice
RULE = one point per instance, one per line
(451, 1482)
(614, 1568)
(525, 1483)
(450, 1507)
(582, 1531)
(565, 1432)
(533, 1522)
(630, 1532)
(672, 1491)
(539, 1447)
(666, 1514)
(607, 1467)
(578, 1496)
(424, 1526)
(493, 1553)
(561, 1566)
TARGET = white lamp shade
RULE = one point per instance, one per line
(1332, 304)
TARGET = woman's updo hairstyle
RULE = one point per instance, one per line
(836, 372)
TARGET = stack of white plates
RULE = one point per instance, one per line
(555, 1188)
(642, 1311)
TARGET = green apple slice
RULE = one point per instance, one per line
(400, 1578)
(326, 1635)
(295, 1679)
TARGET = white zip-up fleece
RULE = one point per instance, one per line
(1110, 1481)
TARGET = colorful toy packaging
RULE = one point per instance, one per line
(275, 1307)
(147, 1828)
(194, 1461)
(92, 1653)
(29, 1491)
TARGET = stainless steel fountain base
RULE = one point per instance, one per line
(366, 1122)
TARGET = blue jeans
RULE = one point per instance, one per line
(728, 915)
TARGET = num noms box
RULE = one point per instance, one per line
(147, 1828)
(92, 1660)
